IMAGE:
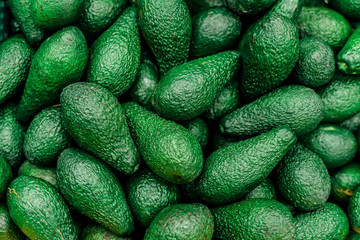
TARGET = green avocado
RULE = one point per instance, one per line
(93, 189)
(352, 123)
(8, 229)
(353, 236)
(345, 181)
(6, 176)
(348, 59)
(196, 6)
(349, 8)
(249, 7)
(199, 128)
(288, 8)
(265, 190)
(97, 232)
(47, 174)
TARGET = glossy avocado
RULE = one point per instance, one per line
(96, 121)
(8, 229)
(47, 174)
(345, 181)
(348, 59)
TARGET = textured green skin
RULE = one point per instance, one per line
(145, 83)
(60, 60)
(349, 8)
(345, 181)
(214, 30)
(182, 221)
(46, 137)
(303, 180)
(341, 98)
(21, 9)
(348, 59)
(288, 8)
(266, 190)
(188, 90)
(96, 232)
(169, 149)
(254, 219)
(166, 27)
(199, 128)
(316, 65)
(196, 6)
(15, 59)
(5, 176)
(98, 15)
(335, 145)
(297, 106)
(12, 135)
(327, 222)
(115, 55)
(93, 189)
(221, 141)
(233, 171)
(353, 236)
(148, 194)
(353, 123)
(54, 15)
(39, 210)
(45, 173)
(249, 7)
(354, 210)
(270, 52)
(324, 23)
(8, 229)
(96, 121)
(228, 101)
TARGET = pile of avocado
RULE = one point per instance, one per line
(180, 120)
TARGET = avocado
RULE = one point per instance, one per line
(145, 83)
(352, 123)
(341, 98)
(52, 15)
(95, 119)
(47, 174)
(196, 6)
(219, 140)
(8, 229)
(21, 10)
(97, 232)
(228, 101)
(288, 8)
(170, 150)
(349, 8)
(353, 236)
(345, 181)
(115, 55)
(39, 210)
(269, 54)
(354, 210)
(5, 176)
(191, 221)
(15, 59)
(46, 137)
(348, 59)
(188, 90)
(214, 30)
(93, 190)
(327, 222)
(99, 15)
(266, 190)
(335, 145)
(233, 171)
(303, 180)
(258, 219)
(249, 7)
(316, 65)
(148, 194)
(60, 60)
(199, 128)
(166, 27)
(297, 106)
(325, 24)
(12, 135)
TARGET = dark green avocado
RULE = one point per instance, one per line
(349, 8)
(345, 181)
(8, 229)
(6, 176)
(266, 190)
(348, 59)
(199, 128)
(196, 6)
(47, 174)
(97, 232)
(249, 7)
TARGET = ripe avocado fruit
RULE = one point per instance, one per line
(348, 59)
(344, 182)
(8, 229)
(97, 232)
(266, 190)
(47, 174)
(349, 8)
(6, 176)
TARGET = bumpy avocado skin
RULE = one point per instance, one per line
(15, 59)
(327, 222)
(6, 176)
(265, 190)
(302, 178)
(115, 55)
(93, 189)
(259, 219)
(47, 174)
(297, 106)
(166, 27)
(335, 145)
(352, 123)
(200, 129)
(96, 121)
(182, 221)
(324, 23)
(97, 232)
(188, 90)
(288, 8)
(233, 171)
(8, 229)
(269, 54)
(39, 210)
(60, 60)
(345, 181)
(349, 8)
(348, 59)
(148, 194)
(169, 149)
